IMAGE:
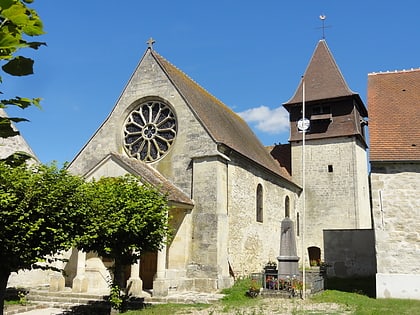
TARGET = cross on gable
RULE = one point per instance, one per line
(150, 42)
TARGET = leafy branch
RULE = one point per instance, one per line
(17, 21)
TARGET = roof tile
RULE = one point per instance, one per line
(323, 78)
(394, 106)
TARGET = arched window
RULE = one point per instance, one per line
(287, 207)
(259, 203)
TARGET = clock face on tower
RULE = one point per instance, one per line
(149, 131)
(303, 124)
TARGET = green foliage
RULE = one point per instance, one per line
(39, 213)
(22, 298)
(124, 216)
(237, 296)
(17, 23)
(123, 219)
(238, 291)
(116, 298)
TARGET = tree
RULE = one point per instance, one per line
(126, 218)
(17, 21)
(40, 215)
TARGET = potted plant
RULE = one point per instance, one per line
(254, 289)
(270, 266)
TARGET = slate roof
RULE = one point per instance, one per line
(324, 80)
(394, 106)
(222, 124)
(153, 177)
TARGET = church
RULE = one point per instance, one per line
(228, 193)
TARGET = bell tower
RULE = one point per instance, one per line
(336, 175)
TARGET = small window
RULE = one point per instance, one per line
(297, 224)
(319, 110)
(259, 203)
(287, 207)
(330, 168)
(316, 110)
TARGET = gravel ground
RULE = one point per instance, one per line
(270, 306)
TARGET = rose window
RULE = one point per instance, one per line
(149, 131)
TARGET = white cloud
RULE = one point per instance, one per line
(273, 121)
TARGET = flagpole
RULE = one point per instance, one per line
(303, 192)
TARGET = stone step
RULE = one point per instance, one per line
(77, 302)
(66, 294)
(63, 300)
(17, 308)
(66, 300)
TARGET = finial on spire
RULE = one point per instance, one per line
(150, 42)
(322, 18)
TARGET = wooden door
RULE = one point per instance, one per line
(148, 268)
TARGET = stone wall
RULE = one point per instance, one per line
(336, 190)
(192, 139)
(396, 211)
(252, 244)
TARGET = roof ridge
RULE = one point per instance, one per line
(195, 82)
(395, 71)
(323, 76)
(198, 85)
(337, 67)
(213, 113)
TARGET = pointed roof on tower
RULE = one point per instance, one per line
(324, 80)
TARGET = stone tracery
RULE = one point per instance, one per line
(149, 131)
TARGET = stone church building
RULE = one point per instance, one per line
(228, 195)
(228, 192)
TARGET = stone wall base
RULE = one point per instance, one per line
(398, 286)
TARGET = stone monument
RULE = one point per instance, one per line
(288, 259)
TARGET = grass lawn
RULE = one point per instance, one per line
(351, 303)
(362, 304)
(237, 303)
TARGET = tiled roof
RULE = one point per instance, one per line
(394, 107)
(323, 79)
(283, 155)
(223, 125)
(153, 177)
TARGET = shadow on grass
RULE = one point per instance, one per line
(13, 296)
(365, 286)
(104, 307)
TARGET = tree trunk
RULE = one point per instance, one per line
(119, 274)
(4, 276)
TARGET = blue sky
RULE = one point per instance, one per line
(249, 54)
